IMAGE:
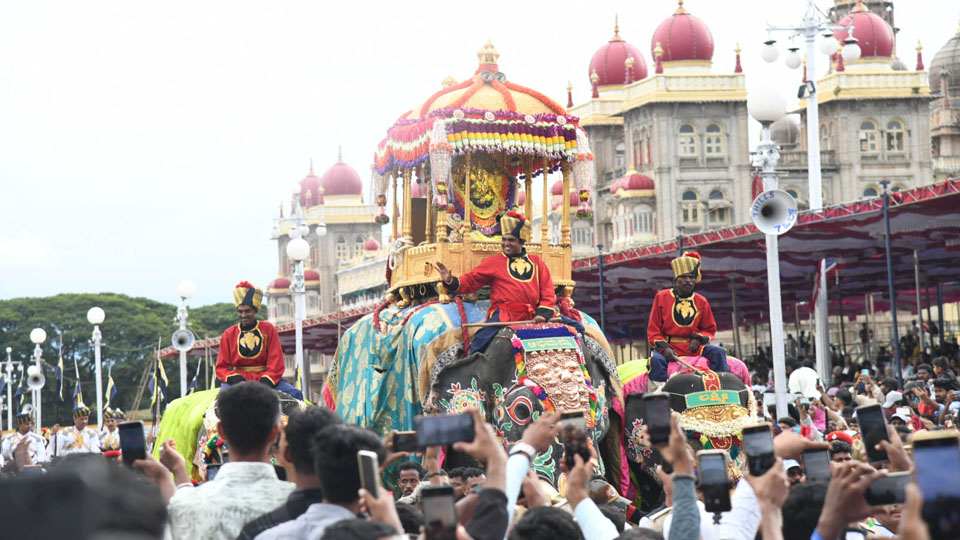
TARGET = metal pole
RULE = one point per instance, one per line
(96, 355)
(37, 403)
(916, 286)
(893, 298)
(843, 331)
(767, 155)
(300, 308)
(603, 307)
(9, 389)
(182, 315)
(940, 312)
(736, 317)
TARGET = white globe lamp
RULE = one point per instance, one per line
(766, 105)
(321, 230)
(828, 44)
(769, 53)
(96, 315)
(298, 249)
(793, 58)
(186, 289)
(38, 335)
(851, 50)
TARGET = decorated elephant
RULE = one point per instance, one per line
(709, 424)
(513, 385)
(397, 363)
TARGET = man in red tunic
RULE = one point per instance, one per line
(681, 321)
(250, 351)
(521, 288)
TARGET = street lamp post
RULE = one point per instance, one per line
(37, 336)
(95, 317)
(768, 106)
(185, 290)
(9, 389)
(299, 250)
(812, 25)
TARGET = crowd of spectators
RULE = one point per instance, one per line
(499, 497)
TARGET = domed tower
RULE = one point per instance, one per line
(882, 8)
(873, 35)
(945, 114)
(616, 63)
(682, 41)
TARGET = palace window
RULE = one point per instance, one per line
(690, 208)
(687, 141)
(895, 136)
(713, 143)
(794, 192)
(871, 191)
(637, 143)
(869, 137)
(619, 157)
(342, 249)
(719, 214)
(358, 246)
(643, 219)
(646, 146)
(825, 142)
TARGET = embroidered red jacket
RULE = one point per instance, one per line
(675, 320)
(520, 286)
(252, 354)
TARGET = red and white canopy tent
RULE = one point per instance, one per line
(925, 219)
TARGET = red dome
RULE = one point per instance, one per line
(311, 275)
(633, 181)
(609, 62)
(873, 34)
(683, 37)
(312, 185)
(371, 244)
(341, 179)
(558, 201)
(279, 283)
(556, 188)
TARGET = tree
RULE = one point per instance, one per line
(132, 329)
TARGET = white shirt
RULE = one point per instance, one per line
(72, 441)
(241, 492)
(310, 525)
(803, 380)
(109, 440)
(38, 447)
(741, 522)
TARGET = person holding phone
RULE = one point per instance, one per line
(521, 288)
(681, 322)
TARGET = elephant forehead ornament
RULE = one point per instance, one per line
(714, 408)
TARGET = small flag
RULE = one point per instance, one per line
(196, 375)
(158, 387)
(3, 384)
(111, 394)
(296, 375)
(20, 394)
(59, 372)
(77, 395)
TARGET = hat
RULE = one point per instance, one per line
(893, 396)
(108, 413)
(688, 263)
(81, 410)
(515, 224)
(24, 418)
(245, 294)
(118, 414)
(790, 463)
(601, 492)
(839, 436)
(904, 414)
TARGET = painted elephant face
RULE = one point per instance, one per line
(519, 408)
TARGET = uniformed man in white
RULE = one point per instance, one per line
(109, 436)
(78, 438)
(38, 449)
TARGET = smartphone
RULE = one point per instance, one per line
(714, 482)
(439, 512)
(758, 446)
(444, 429)
(573, 435)
(936, 462)
(405, 441)
(873, 429)
(888, 489)
(369, 467)
(656, 413)
(816, 465)
(865, 372)
(133, 444)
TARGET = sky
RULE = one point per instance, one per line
(146, 143)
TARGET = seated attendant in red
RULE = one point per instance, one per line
(521, 288)
(681, 321)
(250, 351)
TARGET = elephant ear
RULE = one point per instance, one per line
(592, 349)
